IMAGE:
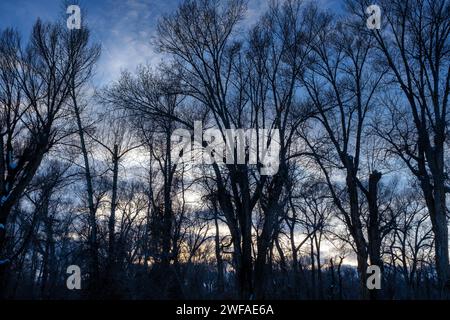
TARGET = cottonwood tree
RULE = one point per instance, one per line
(414, 43)
(116, 138)
(410, 243)
(341, 89)
(151, 102)
(242, 84)
(34, 88)
(82, 56)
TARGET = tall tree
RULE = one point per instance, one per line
(82, 57)
(414, 43)
(34, 88)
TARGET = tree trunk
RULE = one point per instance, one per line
(439, 219)
(93, 246)
(111, 267)
(356, 229)
(374, 236)
(219, 260)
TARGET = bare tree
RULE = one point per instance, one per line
(413, 43)
(82, 57)
(341, 88)
(35, 86)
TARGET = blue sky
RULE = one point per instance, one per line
(123, 27)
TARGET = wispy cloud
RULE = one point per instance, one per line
(124, 28)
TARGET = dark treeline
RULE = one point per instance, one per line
(89, 177)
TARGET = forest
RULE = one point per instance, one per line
(93, 176)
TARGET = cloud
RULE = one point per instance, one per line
(124, 28)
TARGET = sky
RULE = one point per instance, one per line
(124, 28)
